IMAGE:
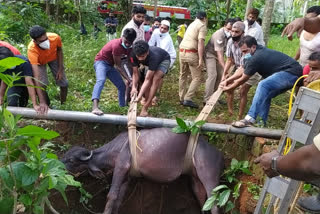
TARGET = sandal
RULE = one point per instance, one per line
(242, 123)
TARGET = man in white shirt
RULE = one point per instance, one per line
(162, 39)
(252, 28)
(138, 14)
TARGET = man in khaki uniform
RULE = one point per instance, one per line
(215, 57)
(191, 59)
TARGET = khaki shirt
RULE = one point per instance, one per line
(197, 30)
(217, 42)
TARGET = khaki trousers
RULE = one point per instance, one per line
(189, 63)
(214, 72)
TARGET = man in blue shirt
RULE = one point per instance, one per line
(18, 95)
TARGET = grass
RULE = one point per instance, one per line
(79, 54)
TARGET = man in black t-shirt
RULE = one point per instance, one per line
(18, 95)
(279, 71)
(158, 62)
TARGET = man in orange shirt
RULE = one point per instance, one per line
(46, 48)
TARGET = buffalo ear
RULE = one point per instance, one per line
(85, 156)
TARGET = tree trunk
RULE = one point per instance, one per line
(48, 7)
(249, 6)
(79, 12)
(155, 8)
(228, 8)
(57, 10)
(267, 16)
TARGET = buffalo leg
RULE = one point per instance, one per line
(120, 175)
(199, 190)
(208, 168)
(122, 193)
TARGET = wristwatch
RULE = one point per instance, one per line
(274, 164)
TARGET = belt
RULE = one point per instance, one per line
(188, 51)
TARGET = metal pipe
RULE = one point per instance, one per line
(147, 122)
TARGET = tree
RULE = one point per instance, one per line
(48, 7)
(155, 8)
(249, 5)
(267, 15)
(228, 8)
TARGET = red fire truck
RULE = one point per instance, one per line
(162, 11)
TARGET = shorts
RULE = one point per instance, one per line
(54, 70)
(164, 66)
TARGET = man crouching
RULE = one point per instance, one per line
(158, 62)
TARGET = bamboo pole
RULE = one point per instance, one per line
(146, 122)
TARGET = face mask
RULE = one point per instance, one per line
(236, 38)
(247, 56)
(45, 44)
(146, 28)
(164, 34)
(227, 33)
(125, 47)
(250, 22)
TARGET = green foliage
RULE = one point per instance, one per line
(193, 127)
(17, 17)
(310, 189)
(254, 189)
(28, 169)
(222, 194)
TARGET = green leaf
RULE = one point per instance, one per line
(25, 199)
(247, 171)
(181, 123)
(6, 205)
(229, 206)
(35, 131)
(61, 187)
(209, 203)
(234, 163)
(216, 189)
(200, 123)
(178, 130)
(69, 180)
(230, 179)
(52, 182)
(24, 174)
(236, 190)
(195, 130)
(10, 62)
(37, 209)
(9, 119)
(54, 167)
(5, 177)
(52, 156)
(224, 197)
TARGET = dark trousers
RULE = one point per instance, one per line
(18, 96)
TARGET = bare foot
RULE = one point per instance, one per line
(143, 101)
(97, 111)
(154, 101)
(144, 113)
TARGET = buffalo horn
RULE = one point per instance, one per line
(87, 157)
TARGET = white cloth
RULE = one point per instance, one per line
(255, 31)
(308, 47)
(164, 42)
(139, 30)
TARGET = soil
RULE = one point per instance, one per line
(246, 202)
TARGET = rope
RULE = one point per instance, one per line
(288, 142)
